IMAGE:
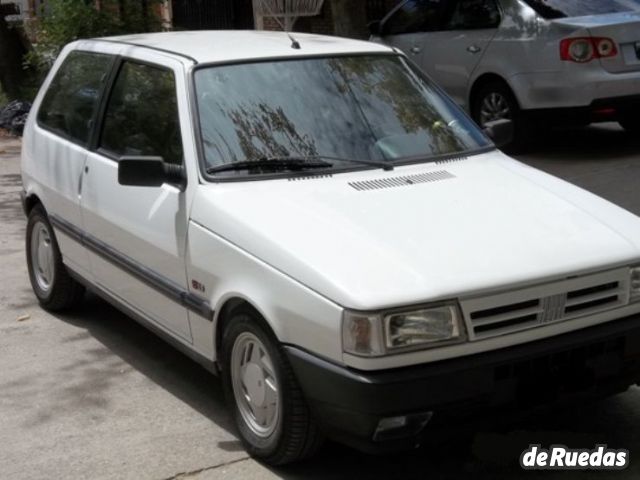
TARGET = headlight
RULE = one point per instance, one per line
(395, 331)
(634, 294)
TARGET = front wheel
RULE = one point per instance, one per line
(269, 410)
(53, 286)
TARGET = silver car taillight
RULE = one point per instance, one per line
(585, 49)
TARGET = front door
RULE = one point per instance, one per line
(407, 25)
(446, 38)
(137, 235)
(452, 53)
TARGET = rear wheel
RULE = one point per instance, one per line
(495, 101)
(53, 286)
(269, 410)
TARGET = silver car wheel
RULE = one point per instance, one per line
(255, 385)
(42, 258)
(494, 106)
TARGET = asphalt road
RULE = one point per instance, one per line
(93, 395)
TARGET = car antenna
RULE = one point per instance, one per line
(294, 43)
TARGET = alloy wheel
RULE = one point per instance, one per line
(42, 256)
(255, 385)
(495, 106)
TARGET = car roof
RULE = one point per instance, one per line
(214, 46)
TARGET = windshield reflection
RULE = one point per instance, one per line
(361, 107)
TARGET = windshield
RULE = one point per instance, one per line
(578, 8)
(373, 108)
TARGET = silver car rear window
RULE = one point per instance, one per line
(578, 8)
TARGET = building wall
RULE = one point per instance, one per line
(25, 7)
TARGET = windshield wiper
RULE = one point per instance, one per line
(294, 163)
(271, 164)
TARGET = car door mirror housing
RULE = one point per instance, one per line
(147, 171)
(501, 132)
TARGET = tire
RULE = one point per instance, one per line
(630, 123)
(55, 289)
(495, 101)
(253, 362)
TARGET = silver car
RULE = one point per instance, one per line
(551, 61)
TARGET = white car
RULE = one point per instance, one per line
(314, 220)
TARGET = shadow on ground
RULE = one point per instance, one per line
(600, 142)
(490, 452)
(603, 159)
(142, 350)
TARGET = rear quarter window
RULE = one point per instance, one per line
(71, 100)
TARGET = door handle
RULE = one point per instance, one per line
(474, 49)
(415, 50)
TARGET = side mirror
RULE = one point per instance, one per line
(500, 131)
(149, 172)
(375, 28)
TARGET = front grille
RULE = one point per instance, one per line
(541, 305)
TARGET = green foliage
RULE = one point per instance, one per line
(62, 21)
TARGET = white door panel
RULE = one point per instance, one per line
(137, 235)
(146, 226)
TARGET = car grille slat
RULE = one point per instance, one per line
(502, 317)
(594, 296)
(518, 310)
(507, 327)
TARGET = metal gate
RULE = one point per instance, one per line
(212, 14)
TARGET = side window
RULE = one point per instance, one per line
(415, 16)
(72, 98)
(474, 15)
(142, 114)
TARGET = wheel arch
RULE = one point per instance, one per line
(482, 81)
(31, 200)
(227, 306)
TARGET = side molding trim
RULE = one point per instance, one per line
(146, 275)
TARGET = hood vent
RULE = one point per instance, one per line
(403, 181)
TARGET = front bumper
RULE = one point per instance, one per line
(588, 363)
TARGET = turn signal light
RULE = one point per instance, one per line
(585, 49)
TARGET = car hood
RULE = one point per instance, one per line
(422, 232)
